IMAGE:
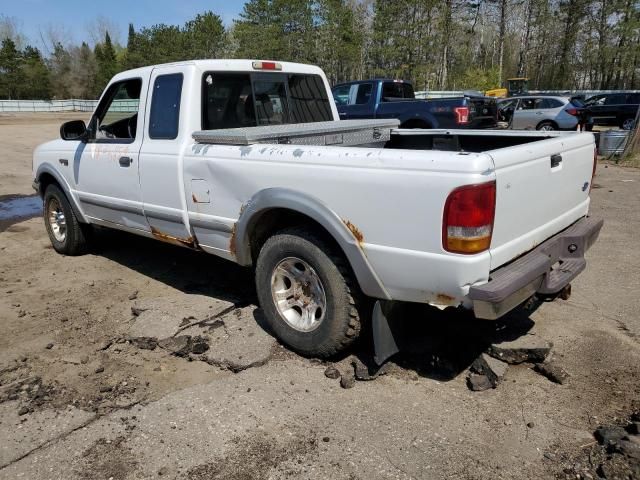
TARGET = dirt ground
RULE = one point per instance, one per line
(98, 378)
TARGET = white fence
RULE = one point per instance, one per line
(73, 105)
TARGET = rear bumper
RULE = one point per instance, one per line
(546, 270)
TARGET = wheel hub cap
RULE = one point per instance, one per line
(298, 294)
(56, 219)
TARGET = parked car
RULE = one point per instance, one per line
(541, 112)
(396, 99)
(247, 160)
(612, 109)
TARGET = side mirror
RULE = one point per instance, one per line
(73, 130)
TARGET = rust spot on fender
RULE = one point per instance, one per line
(193, 197)
(189, 242)
(232, 241)
(354, 231)
(444, 298)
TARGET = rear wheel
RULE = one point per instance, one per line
(307, 293)
(546, 126)
(68, 236)
(628, 123)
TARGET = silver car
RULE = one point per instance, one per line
(540, 113)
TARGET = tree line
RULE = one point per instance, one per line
(436, 44)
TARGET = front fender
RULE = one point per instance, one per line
(284, 198)
(45, 168)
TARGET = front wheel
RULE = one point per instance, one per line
(307, 293)
(68, 236)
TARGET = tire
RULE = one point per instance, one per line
(628, 124)
(67, 235)
(546, 126)
(304, 254)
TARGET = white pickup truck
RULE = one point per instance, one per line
(248, 160)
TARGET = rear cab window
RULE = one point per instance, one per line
(395, 91)
(236, 100)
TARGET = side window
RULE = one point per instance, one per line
(613, 100)
(526, 104)
(164, 117)
(391, 91)
(341, 94)
(548, 103)
(407, 90)
(117, 115)
(308, 99)
(227, 101)
(363, 93)
(633, 98)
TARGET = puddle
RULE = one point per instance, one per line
(16, 208)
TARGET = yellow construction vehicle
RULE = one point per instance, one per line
(515, 86)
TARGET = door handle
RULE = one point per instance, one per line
(125, 161)
(538, 113)
(556, 160)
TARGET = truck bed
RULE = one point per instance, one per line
(394, 196)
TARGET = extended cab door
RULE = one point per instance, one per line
(356, 100)
(105, 168)
(161, 154)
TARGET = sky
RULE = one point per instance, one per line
(75, 20)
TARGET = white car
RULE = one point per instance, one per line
(248, 160)
(541, 112)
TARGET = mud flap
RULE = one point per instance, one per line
(386, 334)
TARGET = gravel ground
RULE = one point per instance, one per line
(142, 360)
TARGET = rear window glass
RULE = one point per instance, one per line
(393, 91)
(235, 100)
(308, 99)
(576, 102)
(164, 117)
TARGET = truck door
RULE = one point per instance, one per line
(355, 100)
(105, 168)
(161, 155)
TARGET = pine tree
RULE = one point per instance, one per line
(107, 66)
(36, 80)
(10, 74)
(204, 36)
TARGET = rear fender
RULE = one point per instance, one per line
(315, 209)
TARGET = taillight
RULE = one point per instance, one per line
(462, 114)
(468, 218)
(572, 111)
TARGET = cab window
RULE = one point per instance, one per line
(116, 117)
(164, 117)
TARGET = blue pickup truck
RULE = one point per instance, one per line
(382, 98)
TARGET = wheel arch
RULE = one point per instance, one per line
(275, 208)
(47, 175)
(552, 122)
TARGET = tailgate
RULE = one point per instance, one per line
(542, 187)
(483, 112)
